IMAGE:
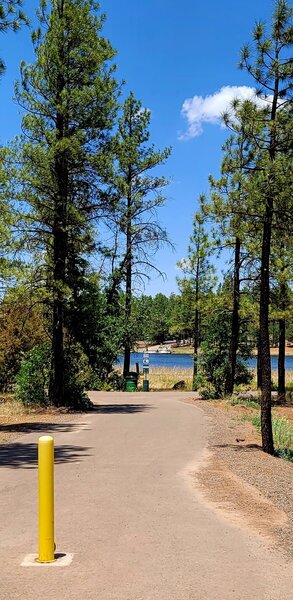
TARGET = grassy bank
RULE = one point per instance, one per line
(162, 378)
(183, 350)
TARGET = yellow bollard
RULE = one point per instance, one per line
(46, 498)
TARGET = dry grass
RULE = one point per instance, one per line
(9, 407)
(289, 380)
(16, 419)
(275, 351)
(182, 350)
(164, 379)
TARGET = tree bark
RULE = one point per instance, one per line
(281, 361)
(60, 250)
(266, 395)
(128, 291)
(196, 321)
(265, 357)
(56, 390)
(258, 365)
(195, 348)
(230, 379)
(127, 344)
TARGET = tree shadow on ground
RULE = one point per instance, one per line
(239, 447)
(43, 426)
(288, 403)
(25, 456)
(127, 409)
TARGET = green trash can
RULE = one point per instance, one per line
(130, 384)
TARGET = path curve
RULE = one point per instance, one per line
(127, 509)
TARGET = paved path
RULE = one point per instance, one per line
(127, 509)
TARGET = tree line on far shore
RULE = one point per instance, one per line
(79, 193)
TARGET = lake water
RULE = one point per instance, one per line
(184, 361)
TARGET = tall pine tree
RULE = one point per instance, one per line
(199, 277)
(69, 98)
(271, 68)
(139, 194)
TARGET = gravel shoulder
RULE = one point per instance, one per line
(247, 486)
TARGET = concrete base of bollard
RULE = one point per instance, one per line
(61, 560)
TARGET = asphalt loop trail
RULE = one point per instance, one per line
(127, 508)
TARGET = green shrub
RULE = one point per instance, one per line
(32, 378)
(115, 381)
(284, 453)
(214, 366)
(208, 391)
(76, 378)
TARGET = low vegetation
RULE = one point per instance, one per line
(165, 379)
(282, 421)
(282, 434)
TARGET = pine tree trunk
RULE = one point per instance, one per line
(60, 251)
(56, 389)
(281, 361)
(128, 291)
(258, 365)
(127, 344)
(266, 417)
(230, 379)
(265, 357)
(196, 326)
(195, 349)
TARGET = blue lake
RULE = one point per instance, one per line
(184, 361)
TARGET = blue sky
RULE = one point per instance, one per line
(168, 53)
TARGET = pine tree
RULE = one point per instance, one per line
(139, 195)
(200, 277)
(11, 18)
(229, 208)
(69, 97)
(271, 68)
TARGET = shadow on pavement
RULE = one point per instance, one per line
(110, 409)
(30, 427)
(25, 456)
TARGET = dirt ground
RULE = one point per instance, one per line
(14, 425)
(189, 350)
(238, 479)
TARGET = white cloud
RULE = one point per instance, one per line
(209, 109)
